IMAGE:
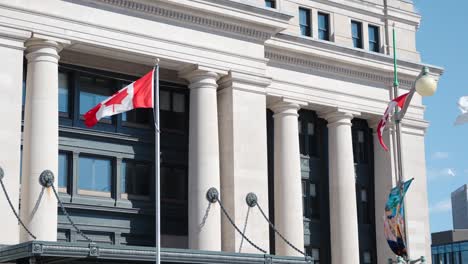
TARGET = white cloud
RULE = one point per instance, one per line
(449, 172)
(440, 155)
(441, 173)
(441, 207)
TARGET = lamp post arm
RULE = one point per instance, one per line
(402, 113)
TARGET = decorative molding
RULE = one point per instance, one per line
(312, 65)
(186, 17)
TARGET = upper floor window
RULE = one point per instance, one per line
(304, 22)
(356, 30)
(63, 89)
(374, 38)
(323, 26)
(173, 107)
(94, 90)
(135, 179)
(270, 3)
(63, 171)
(95, 176)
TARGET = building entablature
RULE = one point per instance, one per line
(342, 60)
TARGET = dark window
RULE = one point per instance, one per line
(360, 147)
(173, 107)
(367, 257)
(140, 117)
(315, 253)
(95, 176)
(94, 90)
(63, 171)
(374, 39)
(308, 144)
(304, 22)
(356, 29)
(135, 179)
(270, 3)
(173, 183)
(324, 26)
(364, 178)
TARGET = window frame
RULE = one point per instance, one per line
(87, 192)
(358, 38)
(308, 26)
(271, 2)
(376, 41)
(327, 25)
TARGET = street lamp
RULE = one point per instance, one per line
(426, 85)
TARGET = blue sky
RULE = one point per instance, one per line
(443, 40)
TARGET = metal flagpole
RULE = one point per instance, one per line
(157, 200)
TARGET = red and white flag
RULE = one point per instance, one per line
(138, 94)
(399, 101)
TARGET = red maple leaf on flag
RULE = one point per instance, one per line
(117, 98)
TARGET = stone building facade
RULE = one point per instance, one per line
(279, 98)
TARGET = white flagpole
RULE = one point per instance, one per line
(157, 163)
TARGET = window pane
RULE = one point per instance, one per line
(63, 170)
(316, 254)
(178, 102)
(367, 257)
(270, 3)
(374, 39)
(323, 26)
(93, 91)
(356, 29)
(361, 136)
(173, 183)
(135, 178)
(95, 174)
(63, 92)
(304, 22)
(165, 100)
(310, 129)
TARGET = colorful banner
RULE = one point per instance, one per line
(394, 222)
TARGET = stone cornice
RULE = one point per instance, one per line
(238, 26)
(342, 70)
(330, 58)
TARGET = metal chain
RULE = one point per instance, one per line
(38, 202)
(14, 211)
(245, 228)
(203, 222)
(69, 218)
(237, 229)
(279, 234)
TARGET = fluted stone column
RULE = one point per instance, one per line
(203, 160)
(343, 209)
(287, 174)
(40, 145)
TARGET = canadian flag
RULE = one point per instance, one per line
(138, 94)
(399, 101)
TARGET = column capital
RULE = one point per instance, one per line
(44, 48)
(286, 107)
(338, 116)
(201, 77)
